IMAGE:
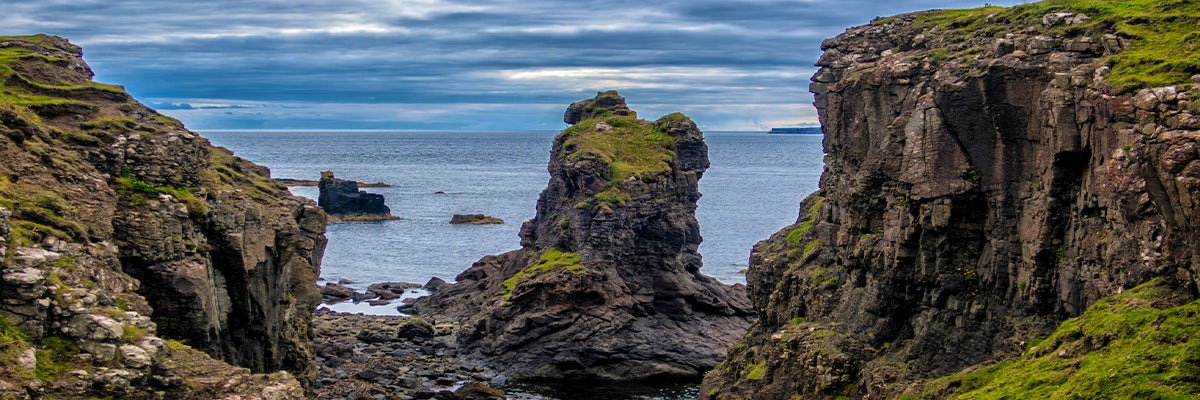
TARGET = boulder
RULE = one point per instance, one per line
(415, 328)
(479, 391)
(435, 284)
(337, 291)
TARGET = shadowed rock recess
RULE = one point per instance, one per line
(607, 283)
(129, 243)
(991, 173)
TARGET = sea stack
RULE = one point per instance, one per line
(990, 174)
(342, 200)
(607, 284)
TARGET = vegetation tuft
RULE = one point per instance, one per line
(1164, 48)
(632, 148)
(551, 260)
(54, 358)
(135, 191)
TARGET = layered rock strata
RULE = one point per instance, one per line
(130, 243)
(985, 179)
(607, 284)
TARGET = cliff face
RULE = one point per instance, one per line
(126, 229)
(607, 283)
(987, 176)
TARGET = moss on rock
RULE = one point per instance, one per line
(1131, 345)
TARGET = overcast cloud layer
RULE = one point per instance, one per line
(449, 64)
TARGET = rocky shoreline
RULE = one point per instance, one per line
(398, 357)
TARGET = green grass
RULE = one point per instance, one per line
(632, 148)
(13, 342)
(806, 223)
(756, 371)
(1121, 347)
(135, 191)
(1165, 48)
(812, 247)
(131, 333)
(37, 213)
(19, 96)
(551, 260)
(54, 358)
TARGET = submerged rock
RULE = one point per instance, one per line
(475, 219)
(607, 284)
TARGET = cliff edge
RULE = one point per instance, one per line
(990, 174)
(131, 244)
(607, 284)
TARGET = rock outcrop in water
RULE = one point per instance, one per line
(342, 200)
(988, 177)
(130, 243)
(607, 284)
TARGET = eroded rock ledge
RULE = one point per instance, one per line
(607, 283)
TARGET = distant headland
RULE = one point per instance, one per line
(816, 130)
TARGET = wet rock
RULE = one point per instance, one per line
(479, 391)
(475, 219)
(336, 291)
(435, 284)
(341, 198)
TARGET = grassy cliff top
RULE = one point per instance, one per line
(1131, 345)
(1165, 41)
(54, 119)
(632, 148)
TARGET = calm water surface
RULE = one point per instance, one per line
(753, 189)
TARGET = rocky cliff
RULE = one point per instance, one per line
(607, 282)
(990, 173)
(120, 229)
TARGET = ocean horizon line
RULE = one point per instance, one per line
(335, 130)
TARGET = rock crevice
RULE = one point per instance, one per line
(977, 191)
(132, 247)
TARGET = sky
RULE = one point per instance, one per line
(456, 65)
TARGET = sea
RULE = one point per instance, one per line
(753, 189)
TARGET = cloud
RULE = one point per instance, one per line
(483, 64)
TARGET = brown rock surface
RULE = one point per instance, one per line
(607, 284)
(125, 227)
(977, 191)
(475, 219)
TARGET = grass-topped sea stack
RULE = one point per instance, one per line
(607, 284)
